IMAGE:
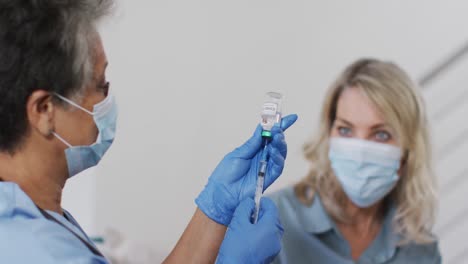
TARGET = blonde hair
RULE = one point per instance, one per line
(398, 99)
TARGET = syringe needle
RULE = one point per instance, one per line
(260, 182)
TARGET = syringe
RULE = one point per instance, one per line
(260, 180)
(271, 115)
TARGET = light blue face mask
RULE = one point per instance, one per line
(367, 171)
(80, 158)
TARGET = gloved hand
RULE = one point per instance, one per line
(234, 179)
(252, 243)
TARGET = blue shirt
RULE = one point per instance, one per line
(26, 236)
(310, 236)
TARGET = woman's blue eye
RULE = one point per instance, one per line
(344, 131)
(383, 136)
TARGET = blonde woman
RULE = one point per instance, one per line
(369, 196)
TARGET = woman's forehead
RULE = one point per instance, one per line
(355, 107)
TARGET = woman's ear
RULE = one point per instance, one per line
(403, 163)
(40, 112)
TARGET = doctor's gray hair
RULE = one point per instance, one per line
(44, 45)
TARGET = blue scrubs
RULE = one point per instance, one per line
(310, 236)
(27, 236)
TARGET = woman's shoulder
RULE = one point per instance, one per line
(289, 197)
(421, 253)
(285, 196)
(290, 208)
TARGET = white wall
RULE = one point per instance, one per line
(448, 105)
(190, 77)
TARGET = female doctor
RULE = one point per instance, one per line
(57, 119)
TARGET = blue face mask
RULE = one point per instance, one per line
(80, 158)
(367, 171)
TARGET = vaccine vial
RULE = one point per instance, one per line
(271, 112)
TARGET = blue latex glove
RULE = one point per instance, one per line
(252, 243)
(234, 179)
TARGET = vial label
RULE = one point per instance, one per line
(269, 109)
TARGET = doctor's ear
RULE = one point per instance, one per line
(40, 112)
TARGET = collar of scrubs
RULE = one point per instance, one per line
(316, 220)
(70, 222)
(14, 202)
